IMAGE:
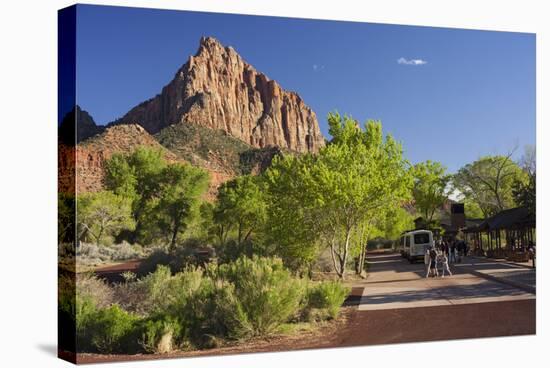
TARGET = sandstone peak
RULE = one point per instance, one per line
(217, 89)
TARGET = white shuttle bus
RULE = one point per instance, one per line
(415, 243)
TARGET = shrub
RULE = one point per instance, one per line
(89, 286)
(66, 311)
(213, 311)
(266, 293)
(125, 251)
(88, 250)
(133, 295)
(99, 325)
(160, 334)
(326, 296)
(113, 330)
(179, 259)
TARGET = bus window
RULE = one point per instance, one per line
(422, 238)
(407, 241)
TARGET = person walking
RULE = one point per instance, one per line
(446, 248)
(433, 262)
(444, 262)
(427, 262)
(452, 251)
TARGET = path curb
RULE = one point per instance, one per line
(519, 285)
(501, 261)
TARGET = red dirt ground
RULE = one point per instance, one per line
(355, 328)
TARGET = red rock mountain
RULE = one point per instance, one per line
(217, 89)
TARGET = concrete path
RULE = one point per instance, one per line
(393, 283)
(520, 275)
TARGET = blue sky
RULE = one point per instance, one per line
(447, 94)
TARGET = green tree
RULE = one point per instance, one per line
(359, 173)
(430, 188)
(525, 191)
(102, 213)
(471, 208)
(489, 183)
(136, 177)
(395, 222)
(66, 211)
(179, 190)
(291, 225)
(240, 207)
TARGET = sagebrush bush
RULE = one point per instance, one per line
(267, 293)
(327, 296)
(125, 251)
(113, 330)
(172, 294)
(85, 310)
(133, 296)
(89, 286)
(195, 307)
(160, 334)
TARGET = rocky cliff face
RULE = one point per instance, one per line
(217, 89)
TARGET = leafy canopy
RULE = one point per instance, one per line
(430, 187)
(489, 183)
(103, 213)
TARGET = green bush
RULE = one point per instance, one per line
(266, 294)
(326, 296)
(159, 291)
(159, 335)
(196, 307)
(113, 330)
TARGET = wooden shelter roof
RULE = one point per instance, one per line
(512, 218)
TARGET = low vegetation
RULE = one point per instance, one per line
(197, 307)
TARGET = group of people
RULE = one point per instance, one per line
(439, 257)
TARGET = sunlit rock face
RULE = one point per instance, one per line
(217, 89)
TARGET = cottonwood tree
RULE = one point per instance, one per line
(489, 182)
(136, 176)
(525, 191)
(103, 213)
(387, 222)
(357, 174)
(291, 225)
(66, 211)
(180, 187)
(430, 188)
(240, 207)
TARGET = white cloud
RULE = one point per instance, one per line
(404, 61)
(317, 67)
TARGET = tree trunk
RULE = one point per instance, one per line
(332, 253)
(344, 257)
(99, 235)
(175, 231)
(240, 233)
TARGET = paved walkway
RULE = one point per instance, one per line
(520, 275)
(393, 283)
